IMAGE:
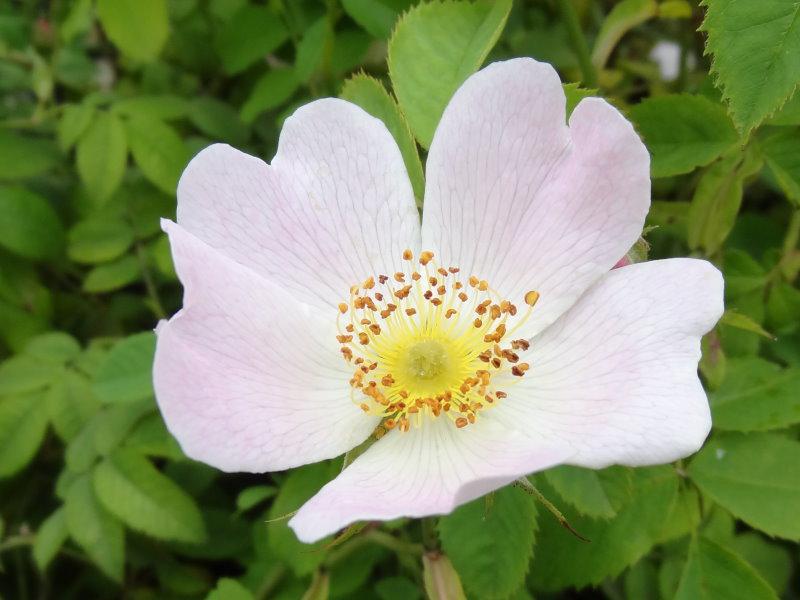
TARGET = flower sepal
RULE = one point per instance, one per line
(441, 579)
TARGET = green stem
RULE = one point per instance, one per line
(524, 484)
(149, 283)
(792, 233)
(270, 582)
(578, 41)
(429, 537)
(16, 541)
(397, 545)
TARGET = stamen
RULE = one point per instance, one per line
(428, 348)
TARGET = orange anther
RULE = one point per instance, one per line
(531, 298)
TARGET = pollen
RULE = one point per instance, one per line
(422, 348)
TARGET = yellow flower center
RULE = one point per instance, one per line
(425, 343)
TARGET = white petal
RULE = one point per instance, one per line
(516, 197)
(334, 207)
(616, 376)
(425, 471)
(247, 378)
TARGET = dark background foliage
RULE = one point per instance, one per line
(103, 103)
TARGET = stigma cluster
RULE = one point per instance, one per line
(427, 341)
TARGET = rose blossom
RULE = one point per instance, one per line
(488, 342)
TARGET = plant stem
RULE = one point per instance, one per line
(429, 537)
(16, 541)
(149, 283)
(395, 544)
(578, 41)
(270, 582)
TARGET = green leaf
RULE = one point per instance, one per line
(253, 496)
(731, 318)
(756, 55)
(683, 132)
(717, 199)
(70, 404)
(158, 150)
(397, 588)
(163, 107)
(100, 535)
(151, 438)
(29, 226)
(575, 94)
(743, 275)
(789, 114)
(252, 33)
(756, 477)
(77, 21)
(625, 15)
(182, 579)
(126, 375)
(298, 487)
(273, 89)
(229, 589)
(377, 17)
(370, 95)
(491, 543)
(770, 559)
(644, 505)
(99, 239)
(23, 422)
(434, 48)
(583, 489)
(137, 27)
(145, 499)
(54, 346)
(113, 424)
(21, 374)
(81, 452)
(782, 155)
(641, 581)
(756, 395)
(228, 537)
(22, 157)
(311, 49)
(112, 276)
(50, 537)
(218, 120)
(783, 306)
(714, 572)
(350, 48)
(75, 120)
(347, 576)
(101, 156)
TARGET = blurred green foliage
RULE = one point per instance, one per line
(104, 102)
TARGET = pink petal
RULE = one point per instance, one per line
(247, 378)
(334, 207)
(616, 376)
(516, 197)
(623, 262)
(425, 471)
